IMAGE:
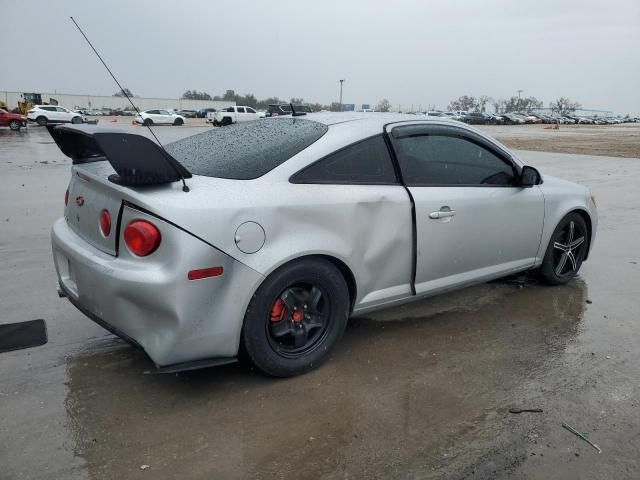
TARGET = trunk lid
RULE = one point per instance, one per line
(89, 194)
(108, 166)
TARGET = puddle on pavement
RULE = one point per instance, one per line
(402, 389)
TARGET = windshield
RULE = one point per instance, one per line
(246, 151)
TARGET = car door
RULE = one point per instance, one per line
(364, 198)
(163, 116)
(473, 221)
(50, 113)
(251, 113)
(62, 114)
(241, 115)
(4, 118)
(151, 115)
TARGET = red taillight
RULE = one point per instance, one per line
(142, 237)
(205, 273)
(66, 197)
(105, 222)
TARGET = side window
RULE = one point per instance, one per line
(163, 112)
(437, 160)
(152, 112)
(241, 110)
(250, 110)
(49, 109)
(366, 162)
(60, 109)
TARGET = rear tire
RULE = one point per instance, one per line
(296, 318)
(566, 250)
(42, 121)
(15, 125)
(226, 121)
(147, 122)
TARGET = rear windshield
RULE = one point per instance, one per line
(246, 150)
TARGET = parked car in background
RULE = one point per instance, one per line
(230, 115)
(202, 112)
(474, 118)
(530, 118)
(159, 117)
(512, 119)
(187, 113)
(277, 110)
(44, 114)
(495, 119)
(295, 224)
(14, 121)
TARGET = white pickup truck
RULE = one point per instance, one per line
(230, 115)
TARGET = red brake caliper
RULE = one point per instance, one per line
(278, 311)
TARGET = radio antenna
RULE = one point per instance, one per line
(123, 91)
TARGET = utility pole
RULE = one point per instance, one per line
(519, 92)
(341, 82)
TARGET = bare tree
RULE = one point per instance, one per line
(125, 92)
(515, 104)
(481, 104)
(383, 105)
(564, 105)
(498, 104)
(463, 103)
(196, 95)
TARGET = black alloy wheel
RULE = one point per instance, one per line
(296, 317)
(298, 320)
(147, 122)
(42, 121)
(566, 251)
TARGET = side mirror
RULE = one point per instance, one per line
(529, 177)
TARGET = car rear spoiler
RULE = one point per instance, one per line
(136, 159)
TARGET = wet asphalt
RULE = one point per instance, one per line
(421, 391)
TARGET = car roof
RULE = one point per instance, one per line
(371, 121)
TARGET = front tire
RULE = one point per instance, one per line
(178, 122)
(566, 250)
(15, 125)
(296, 318)
(42, 121)
(147, 122)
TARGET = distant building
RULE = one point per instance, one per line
(98, 102)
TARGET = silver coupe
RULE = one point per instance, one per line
(261, 239)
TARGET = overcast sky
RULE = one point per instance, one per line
(410, 52)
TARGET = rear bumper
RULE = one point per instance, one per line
(149, 301)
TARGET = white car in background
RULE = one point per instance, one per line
(159, 117)
(230, 115)
(43, 114)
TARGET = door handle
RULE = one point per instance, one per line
(442, 213)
